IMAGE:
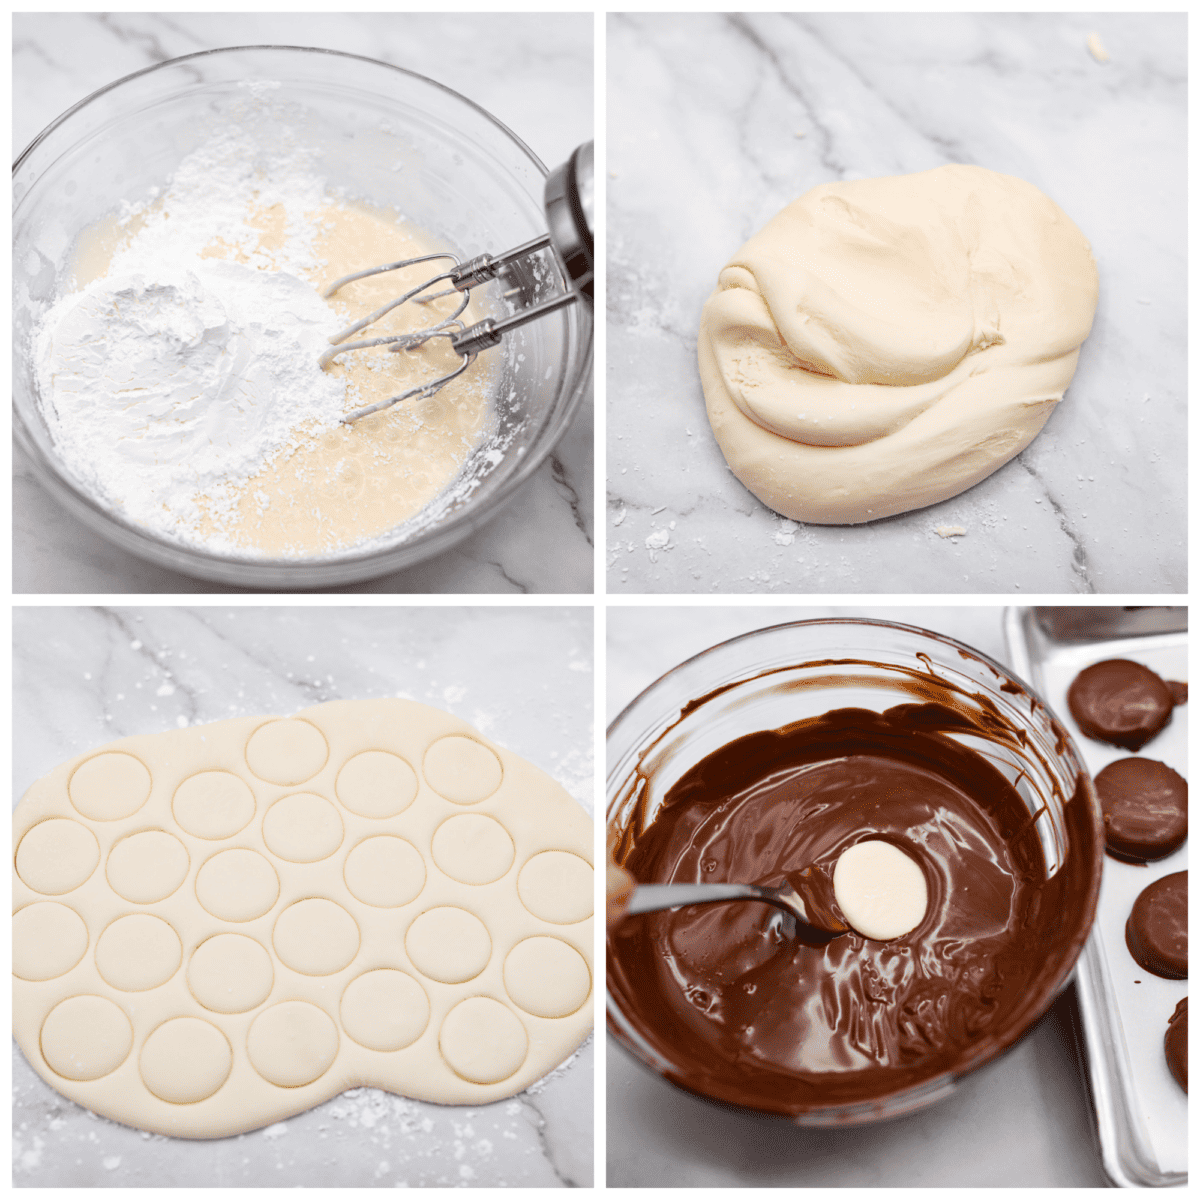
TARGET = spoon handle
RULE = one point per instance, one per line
(652, 897)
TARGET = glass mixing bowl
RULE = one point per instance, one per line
(387, 136)
(773, 677)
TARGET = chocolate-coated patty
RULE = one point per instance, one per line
(1156, 932)
(1120, 702)
(1145, 809)
(1175, 1043)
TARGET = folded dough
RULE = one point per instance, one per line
(887, 343)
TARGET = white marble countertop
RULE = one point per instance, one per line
(1023, 1121)
(524, 676)
(705, 114)
(533, 72)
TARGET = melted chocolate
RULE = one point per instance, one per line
(1175, 1043)
(1156, 932)
(747, 1011)
(1120, 702)
(1145, 809)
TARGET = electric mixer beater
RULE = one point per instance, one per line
(568, 200)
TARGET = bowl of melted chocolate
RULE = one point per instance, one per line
(777, 752)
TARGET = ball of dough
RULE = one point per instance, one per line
(885, 344)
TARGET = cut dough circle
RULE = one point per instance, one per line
(482, 1040)
(148, 866)
(110, 786)
(473, 848)
(213, 805)
(316, 937)
(237, 885)
(185, 1060)
(448, 944)
(86, 1037)
(385, 1010)
(385, 871)
(302, 828)
(230, 973)
(138, 952)
(292, 1043)
(57, 856)
(287, 751)
(376, 784)
(546, 977)
(48, 939)
(557, 887)
(881, 890)
(462, 770)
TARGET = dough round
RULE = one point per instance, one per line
(385, 871)
(86, 1037)
(1175, 1043)
(148, 866)
(302, 828)
(448, 944)
(557, 887)
(110, 786)
(292, 1043)
(237, 885)
(137, 953)
(47, 941)
(546, 977)
(1145, 809)
(316, 937)
(1120, 702)
(885, 344)
(56, 856)
(472, 848)
(385, 1010)
(462, 770)
(286, 752)
(376, 784)
(1156, 932)
(881, 891)
(185, 1060)
(230, 973)
(213, 805)
(482, 1040)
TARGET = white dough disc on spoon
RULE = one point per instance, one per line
(880, 890)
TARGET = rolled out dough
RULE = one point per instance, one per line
(219, 927)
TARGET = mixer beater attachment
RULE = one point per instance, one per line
(569, 205)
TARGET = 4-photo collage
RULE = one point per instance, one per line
(533, 529)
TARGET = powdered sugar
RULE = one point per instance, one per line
(173, 380)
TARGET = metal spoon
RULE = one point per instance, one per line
(801, 896)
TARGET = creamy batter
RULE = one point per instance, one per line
(179, 375)
(887, 343)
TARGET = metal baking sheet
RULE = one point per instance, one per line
(1141, 1112)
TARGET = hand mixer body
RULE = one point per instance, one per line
(569, 203)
